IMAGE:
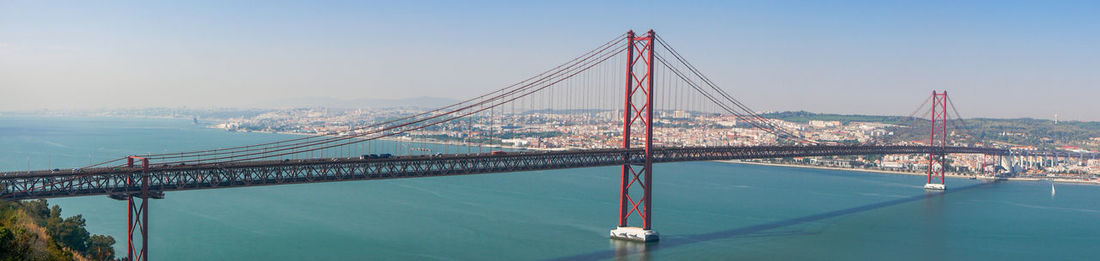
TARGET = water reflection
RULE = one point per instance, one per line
(620, 251)
(624, 249)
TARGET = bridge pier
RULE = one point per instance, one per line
(635, 234)
(137, 221)
(137, 213)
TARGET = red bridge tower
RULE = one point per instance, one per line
(936, 154)
(637, 112)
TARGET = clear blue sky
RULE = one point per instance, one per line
(996, 58)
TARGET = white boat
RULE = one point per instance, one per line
(1052, 188)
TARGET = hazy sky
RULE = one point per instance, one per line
(996, 58)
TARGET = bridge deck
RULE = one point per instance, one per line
(113, 181)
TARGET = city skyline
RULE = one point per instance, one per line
(1003, 60)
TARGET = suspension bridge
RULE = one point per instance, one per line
(625, 85)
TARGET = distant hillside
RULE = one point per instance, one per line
(1022, 131)
(364, 103)
(805, 117)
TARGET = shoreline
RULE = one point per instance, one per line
(838, 168)
(890, 172)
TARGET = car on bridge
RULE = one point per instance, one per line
(376, 156)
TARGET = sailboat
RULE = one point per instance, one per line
(1051, 188)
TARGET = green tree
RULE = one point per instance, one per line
(37, 209)
(71, 232)
(53, 220)
(100, 247)
(8, 245)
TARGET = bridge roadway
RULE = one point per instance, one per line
(113, 181)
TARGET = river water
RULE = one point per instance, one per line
(703, 210)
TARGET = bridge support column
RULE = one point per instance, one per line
(139, 225)
(137, 213)
(637, 171)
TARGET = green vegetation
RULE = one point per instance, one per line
(1039, 133)
(32, 230)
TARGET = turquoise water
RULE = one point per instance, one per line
(703, 210)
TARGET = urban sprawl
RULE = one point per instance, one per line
(563, 130)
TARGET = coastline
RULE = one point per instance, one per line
(837, 168)
(947, 175)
